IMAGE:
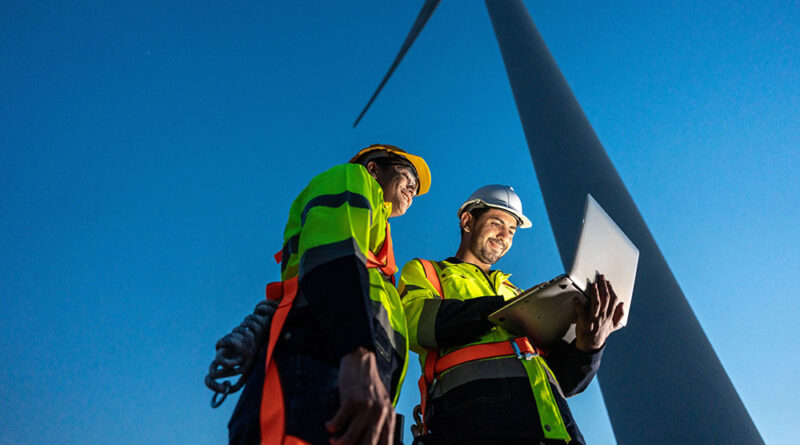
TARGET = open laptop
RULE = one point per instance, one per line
(545, 312)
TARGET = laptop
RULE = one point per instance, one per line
(545, 312)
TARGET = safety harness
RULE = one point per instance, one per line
(272, 414)
(521, 347)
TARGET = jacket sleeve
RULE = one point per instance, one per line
(336, 218)
(434, 323)
(573, 368)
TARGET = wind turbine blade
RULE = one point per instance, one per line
(424, 14)
(661, 380)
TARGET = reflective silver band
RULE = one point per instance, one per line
(426, 325)
(495, 368)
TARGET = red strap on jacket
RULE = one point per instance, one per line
(432, 276)
(273, 415)
(428, 372)
(482, 351)
(384, 260)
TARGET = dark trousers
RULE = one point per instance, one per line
(310, 398)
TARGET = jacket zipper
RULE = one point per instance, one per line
(491, 285)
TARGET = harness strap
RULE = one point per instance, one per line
(429, 370)
(432, 276)
(273, 415)
(523, 350)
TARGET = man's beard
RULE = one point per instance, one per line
(487, 255)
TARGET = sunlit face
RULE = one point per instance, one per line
(399, 186)
(491, 235)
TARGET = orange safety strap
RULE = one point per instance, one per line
(384, 260)
(485, 350)
(433, 355)
(273, 415)
(432, 276)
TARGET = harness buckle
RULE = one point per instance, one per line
(527, 355)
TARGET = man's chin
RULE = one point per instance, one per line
(491, 259)
(499, 255)
(496, 252)
(398, 211)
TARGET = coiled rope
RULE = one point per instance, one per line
(237, 352)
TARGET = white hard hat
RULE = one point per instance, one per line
(497, 196)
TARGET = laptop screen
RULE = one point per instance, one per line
(603, 248)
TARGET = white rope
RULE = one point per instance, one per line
(238, 351)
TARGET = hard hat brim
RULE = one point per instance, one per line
(525, 223)
(423, 172)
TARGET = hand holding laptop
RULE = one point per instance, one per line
(547, 313)
(598, 317)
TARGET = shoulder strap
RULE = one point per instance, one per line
(432, 356)
(432, 276)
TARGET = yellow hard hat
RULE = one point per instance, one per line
(419, 164)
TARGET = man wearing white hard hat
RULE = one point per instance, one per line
(480, 383)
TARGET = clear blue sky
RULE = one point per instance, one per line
(149, 152)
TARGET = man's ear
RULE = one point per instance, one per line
(373, 169)
(466, 221)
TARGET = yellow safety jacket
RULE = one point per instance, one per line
(464, 281)
(336, 293)
(342, 213)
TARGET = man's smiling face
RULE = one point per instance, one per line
(491, 235)
(399, 186)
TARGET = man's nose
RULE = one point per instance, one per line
(504, 233)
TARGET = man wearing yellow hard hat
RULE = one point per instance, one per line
(337, 351)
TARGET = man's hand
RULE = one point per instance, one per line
(365, 413)
(597, 318)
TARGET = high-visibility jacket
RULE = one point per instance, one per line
(475, 399)
(337, 255)
(342, 214)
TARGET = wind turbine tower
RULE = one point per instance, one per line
(661, 380)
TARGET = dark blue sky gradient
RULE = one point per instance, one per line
(149, 152)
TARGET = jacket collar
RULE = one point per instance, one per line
(492, 272)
